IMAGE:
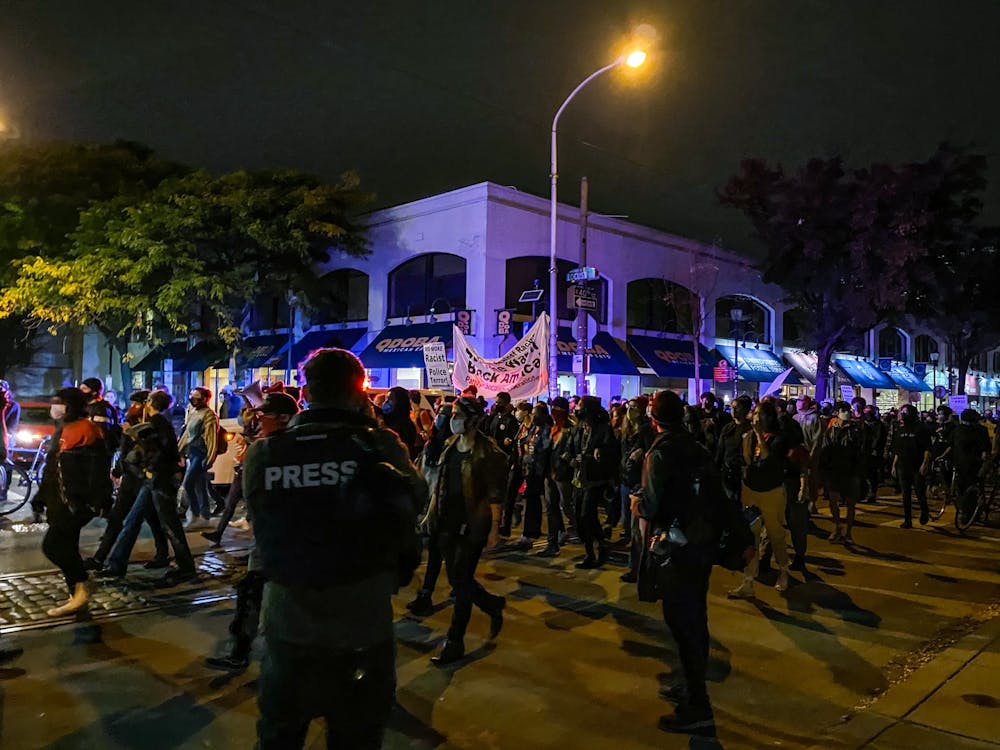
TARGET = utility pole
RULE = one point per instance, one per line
(581, 315)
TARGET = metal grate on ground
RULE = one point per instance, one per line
(26, 597)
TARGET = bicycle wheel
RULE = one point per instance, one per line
(15, 488)
(937, 498)
(963, 521)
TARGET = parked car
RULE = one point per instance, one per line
(34, 426)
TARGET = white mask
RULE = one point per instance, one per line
(57, 411)
(457, 425)
(844, 415)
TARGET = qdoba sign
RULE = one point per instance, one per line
(522, 372)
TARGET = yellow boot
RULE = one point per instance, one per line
(81, 595)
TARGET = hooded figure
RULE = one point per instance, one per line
(396, 416)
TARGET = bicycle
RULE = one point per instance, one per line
(940, 488)
(16, 487)
(981, 504)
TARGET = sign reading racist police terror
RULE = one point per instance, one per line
(522, 371)
(436, 364)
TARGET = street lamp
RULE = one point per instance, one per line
(633, 60)
(739, 328)
(935, 356)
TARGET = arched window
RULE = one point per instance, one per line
(524, 272)
(743, 315)
(348, 292)
(269, 312)
(435, 280)
(891, 344)
(660, 305)
(923, 347)
(791, 327)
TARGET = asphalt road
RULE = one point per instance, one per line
(579, 662)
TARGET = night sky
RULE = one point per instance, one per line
(425, 97)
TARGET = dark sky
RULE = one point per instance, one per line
(425, 97)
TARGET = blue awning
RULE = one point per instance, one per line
(864, 373)
(907, 379)
(756, 365)
(344, 338)
(989, 387)
(257, 351)
(403, 346)
(202, 355)
(153, 361)
(672, 358)
(607, 357)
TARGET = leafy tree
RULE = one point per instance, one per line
(43, 190)
(853, 248)
(192, 254)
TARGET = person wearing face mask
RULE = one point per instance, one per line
(423, 604)
(841, 462)
(333, 501)
(75, 486)
(536, 463)
(596, 467)
(911, 449)
(875, 438)
(396, 415)
(511, 515)
(637, 436)
(465, 514)
(128, 473)
(198, 444)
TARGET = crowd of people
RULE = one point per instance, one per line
(339, 487)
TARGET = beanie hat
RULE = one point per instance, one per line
(666, 407)
(559, 403)
(503, 397)
(95, 385)
(138, 397)
(279, 403)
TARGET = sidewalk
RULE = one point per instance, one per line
(952, 701)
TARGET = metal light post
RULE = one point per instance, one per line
(935, 356)
(633, 60)
(738, 328)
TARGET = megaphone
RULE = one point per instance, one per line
(252, 394)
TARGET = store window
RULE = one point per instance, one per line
(348, 293)
(891, 344)
(435, 280)
(532, 271)
(923, 347)
(744, 315)
(660, 305)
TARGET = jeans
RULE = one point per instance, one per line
(196, 483)
(796, 515)
(165, 507)
(62, 541)
(127, 494)
(461, 556)
(232, 500)
(685, 610)
(353, 690)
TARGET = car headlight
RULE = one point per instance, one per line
(26, 437)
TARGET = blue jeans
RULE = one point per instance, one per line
(196, 483)
(165, 506)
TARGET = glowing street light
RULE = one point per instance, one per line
(633, 60)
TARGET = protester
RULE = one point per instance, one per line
(560, 505)
(637, 435)
(536, 465)
(841, 468)
(595, 452)
(198, 444)
(396, 415)
(911, 449)
(970, 449)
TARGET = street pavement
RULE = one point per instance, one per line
(894, 643)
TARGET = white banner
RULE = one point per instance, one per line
(777, 383)
(523, 371)
(436, 364)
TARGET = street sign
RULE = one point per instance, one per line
(885, 364)
(578, 364)
(582, 297)
(586, 273)
(531, 295)
(920, 368)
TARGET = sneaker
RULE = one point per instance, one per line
(743, 591)
(156, 563)
(231, 663)
(628, 577)
(906, 525)
(798, 564)
(522, 543)
(587, 563)
(782, 584)
(549, 551)
(175, 577)
(421, 606)
(924, 518)
(450, 652)
(848, 539)
(687, 719)
(836, 535)
(496, 619)
(92, 564)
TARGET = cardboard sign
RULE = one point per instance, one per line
(958, 404)
(436, 364)
(847, 392)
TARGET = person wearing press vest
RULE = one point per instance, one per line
(333, 501)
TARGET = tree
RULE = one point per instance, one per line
(850, 247)
(43, 190)
(192, 254)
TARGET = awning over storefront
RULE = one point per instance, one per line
(756, 365)
(989, 387)
(863, 373)
(202, 355)
(344, 338)
(907, 379)
(607, 356)
(257, 351)
(153, 361)
(805, 364)
(403, 346)
(673, 358)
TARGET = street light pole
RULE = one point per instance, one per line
(633, 60)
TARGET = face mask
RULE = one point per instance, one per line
(457, 425)
(194, 402)
(845, 415)
(57, 411)
(387, 407)
(519, 415)
(440, 421)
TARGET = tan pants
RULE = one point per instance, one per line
(772, 511)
